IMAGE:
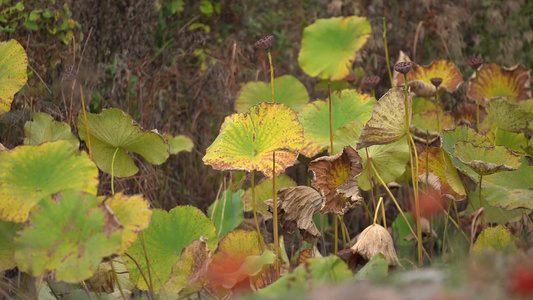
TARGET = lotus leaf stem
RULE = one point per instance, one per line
(387, 52)
(259, 235)
(477, 101)
(115, 276)
(113, 172)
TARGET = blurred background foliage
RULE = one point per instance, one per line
(177, 65)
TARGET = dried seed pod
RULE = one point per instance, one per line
(371, 81)
(403, 67)
(350, 78)
(265, 42)
(373, 240)
(475, 62)
(436, 81)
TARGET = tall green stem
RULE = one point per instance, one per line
(477, 102)
(438, 108)
(414, 172)
(274, 190)
(387, 51)
(332, 153)
(259, 235)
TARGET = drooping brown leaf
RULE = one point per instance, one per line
(336, 176)
(373, 240)
(296, 207)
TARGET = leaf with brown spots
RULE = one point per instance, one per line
(419, 78)
(511, 83)
(336, 176)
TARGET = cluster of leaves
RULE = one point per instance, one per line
(49, 186)
(57, 22)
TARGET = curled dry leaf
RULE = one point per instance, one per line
(296, 207)
(373, 240)
(336, 176)
(487, 160)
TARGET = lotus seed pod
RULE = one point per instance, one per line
(436, 81)
(350, 78)
(265, 42)
(373, 240)
(475, 62)
(371, 81)
(403, 67)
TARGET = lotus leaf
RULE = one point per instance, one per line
(226, 211)
(112, 133)
(420, 78)
(439, 164)
(133, 212)
(8, 231)
(263, 192)
(508, 116)
(313, 273)
(495, 239)
(493, 81)
(13, 76)
(389, 160)
(329, 46)
(428, 121)
(510, 190)
(462, 133)
(179, 143)
(169, 233)
(226, 270)
(78, 234)
(387, 124)
(486, 160)
(288, 90)
(246, 140)
(296, 207)
(29, 173)
(495, 214)
(376, 269)
(347, 106)
(45, 129)
(189, 275)
(336, 176)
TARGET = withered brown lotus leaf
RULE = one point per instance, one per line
(296, 207)
(336, 177)
(373, 240)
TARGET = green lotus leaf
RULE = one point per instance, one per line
(133, 212)
(495, 239)
(288, 90)
(420, 77)
(336, 177)
(493, 81)
(179, 143)
(225, 271)
(439, 164)
(387, 124)
(169, 233)
(263, 192)
(246, 140)
(13, 76)
(494, 214)
(421, 104)
(226, 212)
(376, 269)
(510, 190)
(329, 46)
(487, 160)
(507, 116)
(389, 160)
(29, 173)
(189, 275)
(314, 273)
(77, 235)
(462, 133)
(348, 135)
(514, 141)
(428, 121)
(8, 231)
(45, 129)
(347, 106)
(112, 133)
